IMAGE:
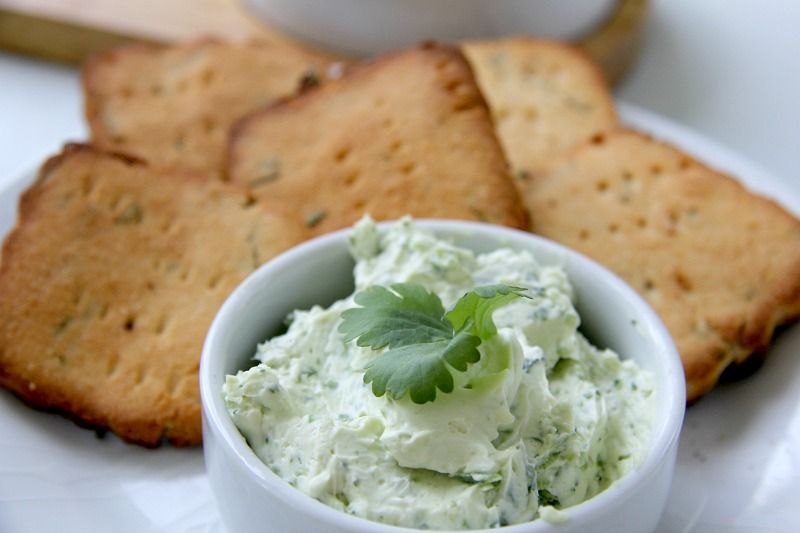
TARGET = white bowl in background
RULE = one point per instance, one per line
(251, 498)
(369, 27)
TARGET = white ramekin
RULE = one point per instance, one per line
(251, 498)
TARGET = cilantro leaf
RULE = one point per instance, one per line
(420, 368)
(478, 306)
(422, 339)
(409, 315)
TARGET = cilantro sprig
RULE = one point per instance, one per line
(422, 340)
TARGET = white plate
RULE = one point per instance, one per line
(738, 465)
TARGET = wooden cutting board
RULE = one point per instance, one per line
(70, 30)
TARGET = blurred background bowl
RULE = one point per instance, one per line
(369, 27)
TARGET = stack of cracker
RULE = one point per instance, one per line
(719, 264)
(119, 262)
(208, 158)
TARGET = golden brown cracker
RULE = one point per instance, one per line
(408, 133)
(109, 282)
(546, 97)
(173, 104)
(720, 264)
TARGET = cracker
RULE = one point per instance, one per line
(546, 98)
(109, 282)
(720, 264)
(173, 104)
(408, 133)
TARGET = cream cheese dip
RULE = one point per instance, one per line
(541, 422)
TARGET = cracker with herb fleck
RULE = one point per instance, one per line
(408, 133)
(173, 104)
(109, 282)
(720, 264)
(546, 97)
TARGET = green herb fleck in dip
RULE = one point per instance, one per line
(450, 391)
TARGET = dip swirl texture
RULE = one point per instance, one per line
(543, 421)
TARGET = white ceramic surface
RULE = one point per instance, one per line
(251, 498)
(366, 27)
(738, 466)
